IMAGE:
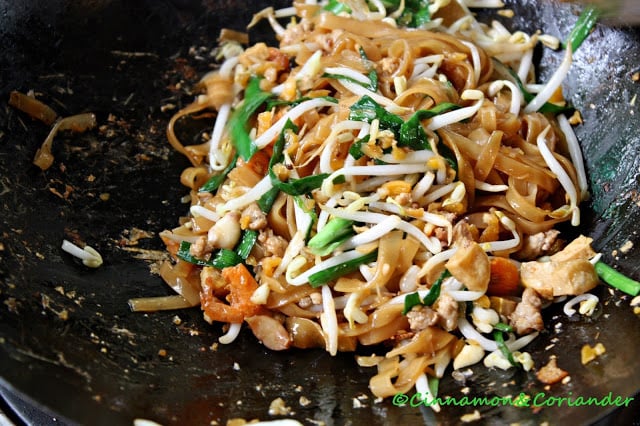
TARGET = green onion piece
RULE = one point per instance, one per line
(585, 24)
(216, 180)
(224, 258)
(294, 186)
(336, 7)
(413, 299)
(434, 383)
(253, 99)
(499, 338)
(220, 259)
(616, 280)
(434, 291)
(303, 185)
(335, 272)
(266, 201)
(302, 201)
(503, 327)
(334, 233)
(247, 241)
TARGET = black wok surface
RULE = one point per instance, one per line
(70, 345)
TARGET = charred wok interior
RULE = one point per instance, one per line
(69, 341)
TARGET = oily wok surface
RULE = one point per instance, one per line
(68, 341)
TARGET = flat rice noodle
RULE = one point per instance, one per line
(506, 161)
(380, 334)
(488, 154)
(292, 294)
(465, 175)
(186, 285)
(277, 217)
(524, 206)
(434, 91)
(192, 108)
(426, 342)
(389, 252)
(382, 384)
(293, 310)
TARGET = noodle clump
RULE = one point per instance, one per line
(370, 183)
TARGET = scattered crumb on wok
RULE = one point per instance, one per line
(279, 408)
(471, 417)
(626, 247)
(589, 353)
(551, 373)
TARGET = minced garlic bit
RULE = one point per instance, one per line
(304, 401)
(145, 422)
(471, 417)
(588, 353)
(89, 256)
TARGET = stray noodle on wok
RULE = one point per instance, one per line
(369, 183)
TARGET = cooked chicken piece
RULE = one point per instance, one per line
(421, 317)
(274, 245)
(447, 309)
(580, 248)
(200, 247)
(470, 265)
(527, 317)
(253, 217)
(551, 279)
(538, 245)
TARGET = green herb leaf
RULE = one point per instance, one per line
(585, 24)
(335, 272)
(412, 134)
(373, 75)
(356, 147)
(254, 98)
(216, 180)
(617, 280)
(415, 14)
(367, 110)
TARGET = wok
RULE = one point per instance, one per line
(70, 347)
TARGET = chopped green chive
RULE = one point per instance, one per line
(616, 280)
(335, 272)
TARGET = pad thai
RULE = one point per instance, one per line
(392, 173)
